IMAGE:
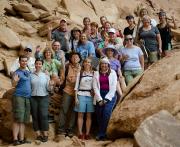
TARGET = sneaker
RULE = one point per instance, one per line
(81, 136)
(44, 139)
(101, 138)
(25, 141)
(60, 132)
(16, 142)
(39, 138)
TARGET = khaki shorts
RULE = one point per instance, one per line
(153, 57)
(21, 109)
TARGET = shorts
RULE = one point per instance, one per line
(21, 109)
(85, 104)
(153, 57)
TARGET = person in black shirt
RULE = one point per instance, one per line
(130, 29)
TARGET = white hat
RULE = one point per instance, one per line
(110, 46)
(29, 46)
(112, 30)
(104, 60)
(63, 20)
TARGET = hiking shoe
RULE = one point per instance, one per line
(16, 142)
(44, 139)
(70, 133)
(101, 138)
(39, 138)
(24, 141)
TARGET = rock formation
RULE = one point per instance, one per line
(157, 90)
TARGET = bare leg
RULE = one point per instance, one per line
(80, 122)
(88, 123)
(16, 129)
(45, 133)
(21, 131)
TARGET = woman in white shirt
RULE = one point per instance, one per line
(104, 85)
(83, 97)
(40, 85)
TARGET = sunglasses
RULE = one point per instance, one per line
(127, 39)
(28, 50)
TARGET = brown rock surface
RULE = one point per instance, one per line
(20, 26)
(21, 7)
(157, 90)
(30, 16)
(9, 38)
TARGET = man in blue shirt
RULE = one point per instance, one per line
(21, 101)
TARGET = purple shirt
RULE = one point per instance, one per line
(104, 82)
(115, 65)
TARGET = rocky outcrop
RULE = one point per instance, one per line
(158, 130)
(21, 7)
(8, 38)
(157, 90)
(21, 26)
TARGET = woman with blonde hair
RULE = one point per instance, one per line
(84, 98)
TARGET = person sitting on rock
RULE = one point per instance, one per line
(30, 63)
(21, 101)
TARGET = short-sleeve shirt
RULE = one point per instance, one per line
(23, 87)
(115, 64)
(96, 40)
(58, 35)
(86, 49)
(150, 38)
(53, 67)
(128, 31)
(133, 62)
(39, 84)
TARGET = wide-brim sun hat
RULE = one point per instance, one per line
(112, 47)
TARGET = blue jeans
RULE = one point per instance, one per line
(104, 113)
(67, 105)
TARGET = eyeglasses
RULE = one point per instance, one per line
(28, 50)
(127, 39)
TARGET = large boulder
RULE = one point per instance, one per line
(158, 89)
(20, 26)
(21, 7)
(9, 38)
(30, 16)
(158, 130)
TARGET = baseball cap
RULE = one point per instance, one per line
(28, 47)
(104, 60)
(112, 30)
(63, 20)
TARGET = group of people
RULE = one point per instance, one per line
(91, 67)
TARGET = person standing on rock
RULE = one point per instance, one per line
(104, 85)
(40, 85)
(150, 39)
(103, 19)
(87, 26)
(133, 60)
(30, 63)
(130, 30)
(84, 98)
(60, 34)
(164, 27)
(71, 71)
(21, 101)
